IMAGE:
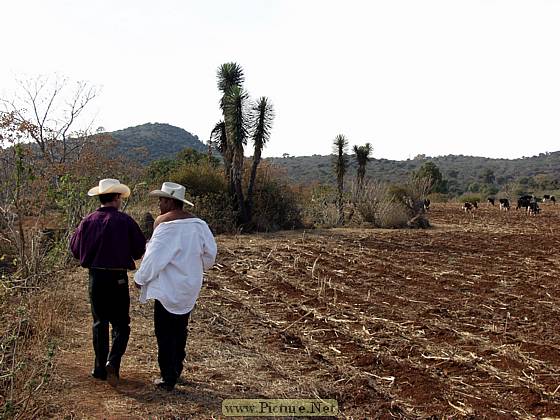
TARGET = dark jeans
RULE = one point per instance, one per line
(171, 335)
(110, 302)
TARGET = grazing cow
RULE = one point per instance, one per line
(469, 206)
(427, 203)
(548, 197)
(491, 200)
(533, 208)
(523, 201)
(504, 204)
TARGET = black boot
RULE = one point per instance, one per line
(99, 374)
(161, 384)
(112, 375)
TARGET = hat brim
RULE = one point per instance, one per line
(121, 189)
(159, 193)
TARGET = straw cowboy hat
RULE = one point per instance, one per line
(110, 186)
(171, 190)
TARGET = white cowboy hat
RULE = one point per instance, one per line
(110, 186)
(171, 190)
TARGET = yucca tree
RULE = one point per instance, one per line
(241, 121)
(219, 137)
(362, 158)
(340, 164)
(231, 133)
(229, 75)
(262, 116)
(236, 103)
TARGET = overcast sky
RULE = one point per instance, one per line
(411, 77)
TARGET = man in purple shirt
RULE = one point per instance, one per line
(107, 242)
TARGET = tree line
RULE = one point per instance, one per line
(459, 174)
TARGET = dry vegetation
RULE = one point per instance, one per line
(459, 320)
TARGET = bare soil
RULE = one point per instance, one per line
(459, 320)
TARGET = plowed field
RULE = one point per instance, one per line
(458, 320)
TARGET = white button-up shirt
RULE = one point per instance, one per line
(172, 269)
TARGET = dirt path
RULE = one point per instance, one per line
(77, 395)
(459, 320)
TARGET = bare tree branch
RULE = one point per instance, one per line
(49, 108)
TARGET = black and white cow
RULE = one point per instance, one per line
(550, 198)
(523, 201)
(427, 203)
(469, 206)
(504, 204)
(491, 200)
(533, 208)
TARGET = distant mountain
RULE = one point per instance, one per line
(148, 142)
(464, 173)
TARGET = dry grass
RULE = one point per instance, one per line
(32, 321)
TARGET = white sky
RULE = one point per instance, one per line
(412, 77)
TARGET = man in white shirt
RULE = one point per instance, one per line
(181, 248)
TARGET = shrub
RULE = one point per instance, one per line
(159, 170)
(376, 204)
(200, 178)
(395, 206)
(411, 196)
(319, 206)
(275, 205)
(216, 210)
(394, 216)
(206, 188)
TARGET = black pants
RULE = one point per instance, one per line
(110, 302)
(171, 334)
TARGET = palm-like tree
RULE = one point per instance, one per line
(263, 115)
(240, 122)
(236, 103)
(231, 133)
(362, 158)
(229, 75)
(340, 163)
(218, 136)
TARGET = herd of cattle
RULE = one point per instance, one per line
(528, 202)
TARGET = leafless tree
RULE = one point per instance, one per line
(48, 109)
(39, 140)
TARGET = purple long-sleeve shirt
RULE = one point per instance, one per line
(108, 238)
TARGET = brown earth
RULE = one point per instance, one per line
(459, 320)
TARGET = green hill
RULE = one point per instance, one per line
(148, 142)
